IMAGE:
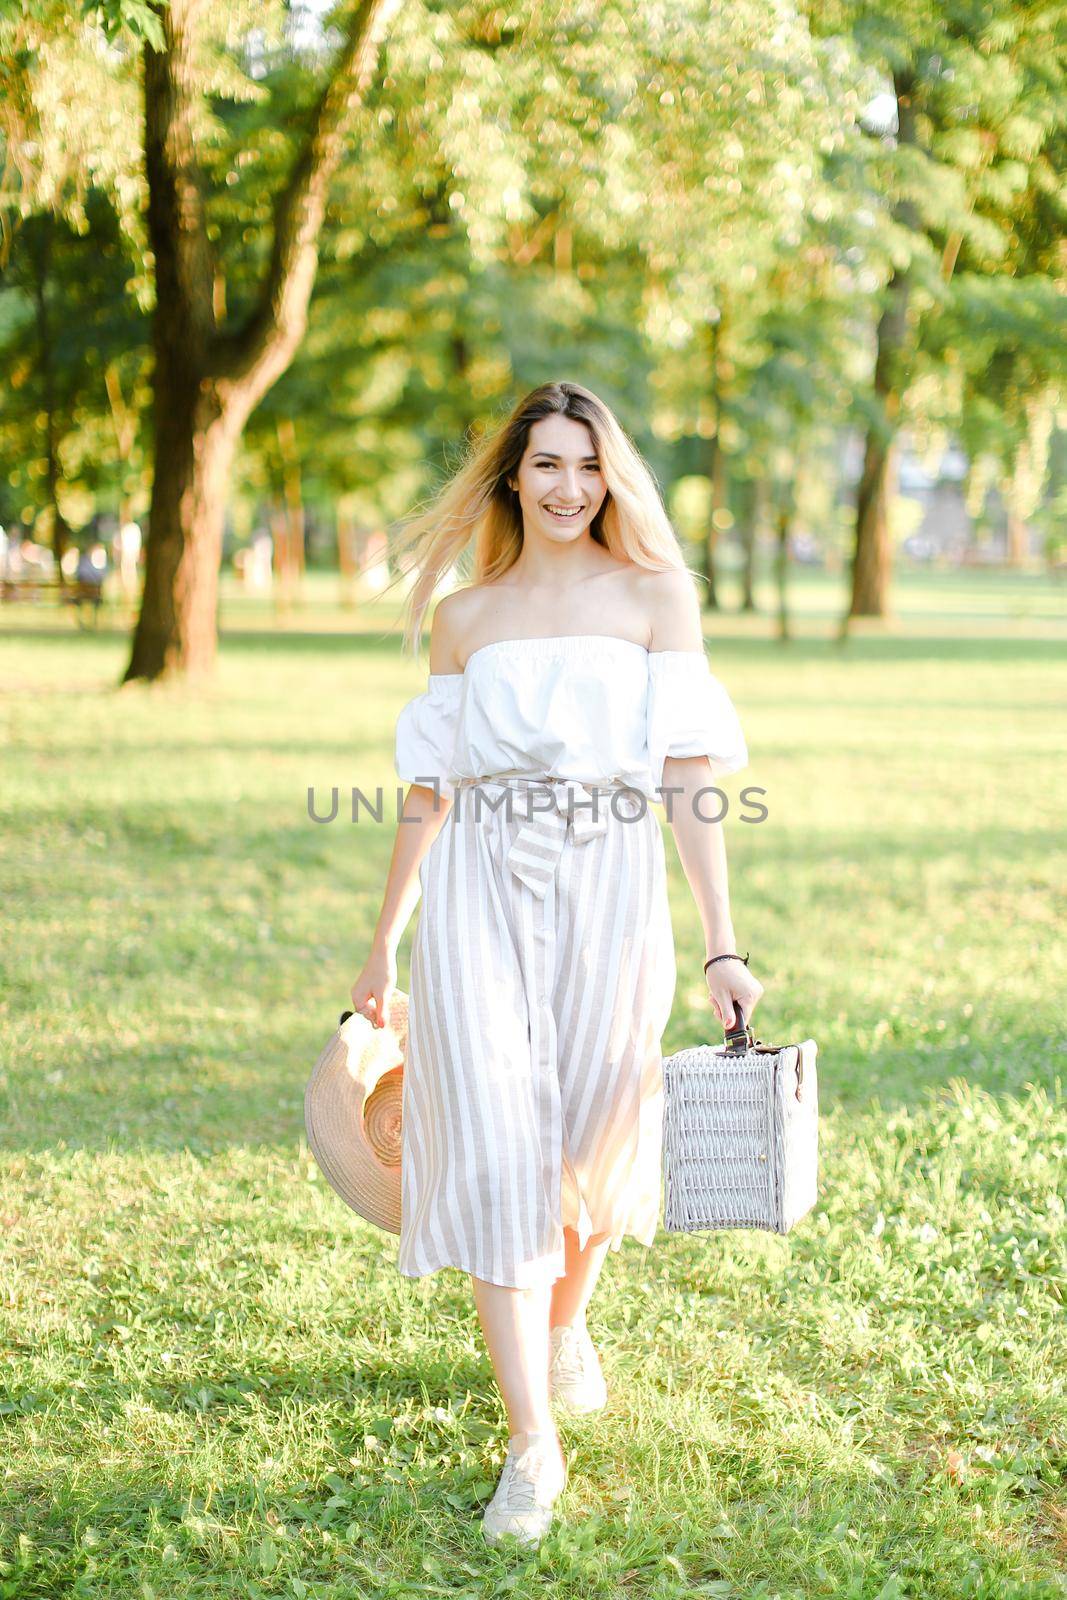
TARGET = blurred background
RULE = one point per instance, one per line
(264, 271)
(814, 259)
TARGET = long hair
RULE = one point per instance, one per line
(476, 504)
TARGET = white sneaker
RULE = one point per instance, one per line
(532, 1479)
(575, 1374)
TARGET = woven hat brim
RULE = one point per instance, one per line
(351, 1067)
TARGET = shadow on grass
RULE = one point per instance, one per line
(338, 747)
(253, 641)
(247, 1094)
(888, 647)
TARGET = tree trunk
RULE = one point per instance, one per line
(871, 560)
(782, 523)
(60, 529)
(750, 503)
(176, 631)
(1022, 487)
(281, 562)
(289, 517)
(1017, 553)
(293, 491)
(711, 594)
(461, 361)
(715, 469)
(208, 380)
(347, 554)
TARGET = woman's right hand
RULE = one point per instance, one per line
(372, 991)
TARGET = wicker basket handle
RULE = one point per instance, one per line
(739, 1037)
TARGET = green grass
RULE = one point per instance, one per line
(214, 1380)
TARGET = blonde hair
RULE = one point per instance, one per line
(477, 504)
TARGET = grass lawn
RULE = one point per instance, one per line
(215, 1382)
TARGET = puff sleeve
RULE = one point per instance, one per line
(426, 732)
(691, 714)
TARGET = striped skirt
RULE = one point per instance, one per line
(542, 977)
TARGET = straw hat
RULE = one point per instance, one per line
(352, 1110)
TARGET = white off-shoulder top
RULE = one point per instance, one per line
(587, 706)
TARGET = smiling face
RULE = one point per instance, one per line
(561, 487)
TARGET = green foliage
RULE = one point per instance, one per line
(70, 112)
(594, 192)
(73, 340)
(137, 19)
(981, 199)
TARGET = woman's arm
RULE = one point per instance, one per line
(701, 843)
(416, 831)
(422, 817)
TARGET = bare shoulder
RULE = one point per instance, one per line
(446, 631)
(454, 616)
(671, 604)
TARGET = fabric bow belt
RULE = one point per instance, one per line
(536, 848)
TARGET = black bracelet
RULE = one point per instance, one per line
(710, 959)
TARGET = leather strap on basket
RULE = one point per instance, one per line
(739, 1037)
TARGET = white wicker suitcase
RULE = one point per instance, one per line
(740, 1134)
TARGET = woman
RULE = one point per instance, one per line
(567, 683)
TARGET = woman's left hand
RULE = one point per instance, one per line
(730, 981)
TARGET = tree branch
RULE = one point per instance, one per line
(266, 345)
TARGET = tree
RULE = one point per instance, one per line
(208, 376)
(754, 104)
(977, 92)
(69, 225)
(870, 567)
(994, 351)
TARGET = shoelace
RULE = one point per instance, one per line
(521, 1486)
(570, 1356)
